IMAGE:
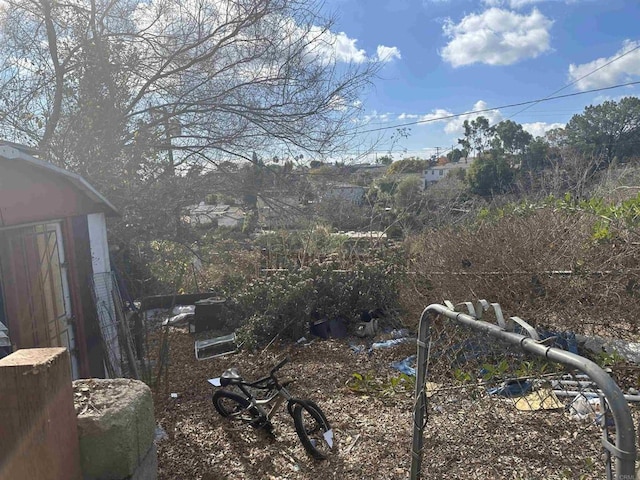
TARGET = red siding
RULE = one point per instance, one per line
(29, 194)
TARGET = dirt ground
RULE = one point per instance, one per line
(464, 437)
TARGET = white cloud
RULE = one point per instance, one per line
(496, 37)
(455, 125)
(339, 47)
(538, 129)
(622, 70)
(377, 117)
(437, 115)
(386, 54)
(344, 48)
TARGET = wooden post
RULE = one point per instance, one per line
(38, 422)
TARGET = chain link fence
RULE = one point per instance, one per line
(497, 399)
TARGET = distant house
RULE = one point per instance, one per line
(53, 248)
(436, 173)
(351, 193)
(214, 215)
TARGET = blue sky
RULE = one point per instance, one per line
(453, 56)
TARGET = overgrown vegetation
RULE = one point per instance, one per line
(284, 303)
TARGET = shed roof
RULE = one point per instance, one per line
(21, 153)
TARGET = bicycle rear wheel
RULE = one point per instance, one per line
(313, 429)
(236, 407)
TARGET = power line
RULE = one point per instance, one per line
(578, 79)
(511, 105)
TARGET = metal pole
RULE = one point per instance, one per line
(419, 407)
(624, 450)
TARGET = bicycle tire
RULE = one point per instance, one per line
(311, 425)
(234, 406)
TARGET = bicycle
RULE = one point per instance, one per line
(310, 422)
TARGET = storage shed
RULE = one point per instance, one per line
(53, 244)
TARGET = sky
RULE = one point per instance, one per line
(444, 57)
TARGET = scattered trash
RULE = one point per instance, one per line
(542, 399)
(174, 395)
(216, 347)
(511, 388)
(389, 343)
(357, 348)
(406, 365)
(179, 319)
(178, 309)
(586, 406)
(367, 329)
(431, 388)
(630, 351)
(400, 333)
(325, 328)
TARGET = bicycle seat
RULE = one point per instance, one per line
(230, 376)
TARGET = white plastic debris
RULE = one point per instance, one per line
(178, 309)
(179, 319)
(586, 406)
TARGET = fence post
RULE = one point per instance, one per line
(38, 423)
(624, 450)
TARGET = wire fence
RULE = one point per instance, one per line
(498, 399)
(115, 330)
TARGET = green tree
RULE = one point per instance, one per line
(511, 138)
(608, 130)
(489, 175)
(478, 135)
(408, 192)
(456, 155)
(408, 165)
(536, 156)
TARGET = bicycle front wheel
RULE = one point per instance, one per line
(313, 429)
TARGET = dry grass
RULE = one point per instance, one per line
(465, 438)
(518, 261)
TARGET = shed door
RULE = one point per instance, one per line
(37, 289)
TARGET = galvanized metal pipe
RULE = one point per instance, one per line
(624, 450)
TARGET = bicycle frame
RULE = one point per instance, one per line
(312, 427)
(267, 383)
(278, 398)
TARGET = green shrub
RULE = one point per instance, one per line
(282, 304)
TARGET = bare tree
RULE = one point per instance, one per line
(201, 80)
(126, 92)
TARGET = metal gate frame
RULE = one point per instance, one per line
(624, 450)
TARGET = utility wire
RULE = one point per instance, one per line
(578, 79)
(511, 105)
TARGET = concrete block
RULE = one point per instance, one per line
(148, 468)
(38, 433)
(116, 426)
